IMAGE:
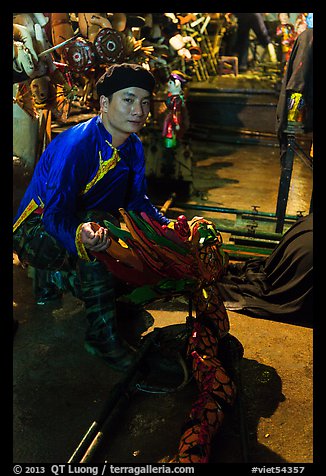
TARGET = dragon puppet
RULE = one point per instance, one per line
(182, 257)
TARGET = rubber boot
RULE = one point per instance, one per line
(271, 52)
(102, 339)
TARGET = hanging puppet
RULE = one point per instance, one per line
(286, 32)
(300, 23)
(175, 103)
(42, 81)
(180, 43)
(25, 58)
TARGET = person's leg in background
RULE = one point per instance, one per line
(242, 40)
(261, 32)
(246, 22)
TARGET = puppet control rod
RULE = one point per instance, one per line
(119, 397)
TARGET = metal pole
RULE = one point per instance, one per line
(284, 186)
(235, 211)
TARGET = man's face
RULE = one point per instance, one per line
(127, 111)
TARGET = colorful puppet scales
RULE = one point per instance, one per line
(185, 259)
(216, 389)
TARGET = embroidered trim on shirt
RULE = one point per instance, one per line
(104, 167)
(28, 210)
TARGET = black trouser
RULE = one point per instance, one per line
(246, 22)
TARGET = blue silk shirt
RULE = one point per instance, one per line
(79, 171)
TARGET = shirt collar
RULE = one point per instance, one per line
(107, 136)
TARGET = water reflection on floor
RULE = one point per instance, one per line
(240, 176)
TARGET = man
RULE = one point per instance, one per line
(85, 175)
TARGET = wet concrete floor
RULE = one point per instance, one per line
(59, 389)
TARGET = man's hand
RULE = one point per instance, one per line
(97, 240)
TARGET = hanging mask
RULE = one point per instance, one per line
(109, 46)
(79, 55)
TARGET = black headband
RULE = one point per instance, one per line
(125, 75)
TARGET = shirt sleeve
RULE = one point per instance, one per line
(64, 182)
